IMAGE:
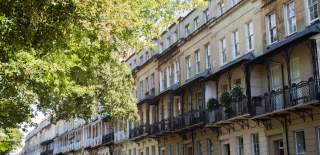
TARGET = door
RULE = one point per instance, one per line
(279, 147)
(188, 149)
(226, 149)
(276, 84)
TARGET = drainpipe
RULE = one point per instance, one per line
(248, 88)
(286, 135)
(315, 63)
(192, 138)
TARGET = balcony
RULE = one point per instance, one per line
(148, 96)
(108, 138)
(238, 107)
(139, 131)
(47, 152)
(288, 98)
(189, 120)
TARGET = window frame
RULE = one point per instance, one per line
(197, 61)
(209, 147)
(187, 29)
(221, 8)
(207, 47)
(271, 40)
(188, 67)
(255, 146)
(206, 15)
(223, 49)
(307, 8)
(240, 146)
(287, 17)
(235, 44)
(250, 35)
(196, 23)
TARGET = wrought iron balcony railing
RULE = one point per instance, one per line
(281, 99)
(139, 131)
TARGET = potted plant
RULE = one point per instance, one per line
(213, 104)
(236, 93)
(225, 99)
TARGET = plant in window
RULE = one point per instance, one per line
(213, 104)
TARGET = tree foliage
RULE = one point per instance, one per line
(9, 139)
(63, 55)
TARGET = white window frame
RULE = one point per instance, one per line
(240, 146)
(295, 142)
(170, 150)
(169, 41)
(255, 145)
(196, 22)
(206, 15)
(223, 54)
(209, 147)
(307, 8)
(221, 8)
(199, 148)
(168, 74)
(197, 61)
(250, 36)
(188, 67)
(176, 72)
(208, 55)
(271, 28)
(161, 47)
(178, 149)
(290, 19)
(161, 80)
(234, 2)
(187, 29)
(236, 44)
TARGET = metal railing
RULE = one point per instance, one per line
(108, 138)
(287, 97)
(237, 107)
(139, 131)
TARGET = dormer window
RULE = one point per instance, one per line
(196, 22)
(147, 55)
(141, 59)
(234, 2)
(187, 29)
(169, 40)
(206, 15)
(161, 47)
(176, 34)
(221, 7)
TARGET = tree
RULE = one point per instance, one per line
(9, 139)
(63, 55)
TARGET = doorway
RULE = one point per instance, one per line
(226, 149)
(278, 147)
